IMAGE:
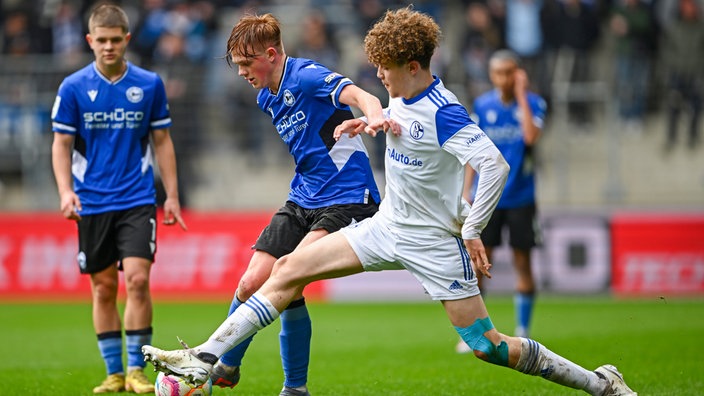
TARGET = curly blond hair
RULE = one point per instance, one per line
(402, 36)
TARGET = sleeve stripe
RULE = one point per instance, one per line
(63, 127)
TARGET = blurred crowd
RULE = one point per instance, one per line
(654, 51)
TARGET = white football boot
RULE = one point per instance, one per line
(185, 363)
(617, 386)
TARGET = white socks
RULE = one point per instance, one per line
(535, 359)
(250, 317)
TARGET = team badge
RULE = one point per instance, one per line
(81, 258)
(417, 130)
(134, 94)
(491, 116)
(289, 99)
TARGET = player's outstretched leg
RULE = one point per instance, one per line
(535, 359)
(195, 364)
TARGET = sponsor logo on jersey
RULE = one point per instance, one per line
(403, 158)
(92, 94)
(117, 119)
(291, 124)
(330, 77)
(417, 130)
(289, 99)
(134, 94)
(475, 138)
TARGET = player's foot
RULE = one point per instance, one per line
(462, 347)
(299, 391)
(137, 382)
(113, 383)
(617, 386)
(185, 363)
(225, 376)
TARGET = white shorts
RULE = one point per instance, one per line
(439, 261)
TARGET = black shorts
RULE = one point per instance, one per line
(108, 237)
(291, 223)
(522, 227)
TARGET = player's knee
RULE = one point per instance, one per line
(105, 292)
(483, 347)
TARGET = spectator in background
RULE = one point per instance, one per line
(633, 27)
(318, 42)
(524, 34)
(482, 38)
(67, 33)
(682, 59)
(579, 28)
(17, 34)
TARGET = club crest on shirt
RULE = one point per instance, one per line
(289, 99)
(416, 130)
(491, 116)
(134, 94)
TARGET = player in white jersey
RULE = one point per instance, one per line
(103, 118)
(423, 225)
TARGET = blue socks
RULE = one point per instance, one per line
(523, 303)
(110, 346)
(295, 338)
(135, 340)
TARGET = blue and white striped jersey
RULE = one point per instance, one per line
(305, 112)
(502, 123)
(112, 159)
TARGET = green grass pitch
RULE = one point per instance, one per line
(379, 348)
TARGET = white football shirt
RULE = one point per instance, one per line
(425, 166)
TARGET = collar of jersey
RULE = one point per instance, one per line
(423, 94)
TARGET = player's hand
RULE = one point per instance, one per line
(477, 253)
(172, 213)
(520, 82)
(70, 206)
(383, 125)
(351, 127)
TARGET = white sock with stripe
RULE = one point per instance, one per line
(253, 315)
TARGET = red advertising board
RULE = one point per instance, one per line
(658, 253)
(38, 257)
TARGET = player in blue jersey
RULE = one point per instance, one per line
(333, 185)
(513, 119)
(103, 118)
(423, 224)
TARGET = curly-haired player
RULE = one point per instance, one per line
(423, 224)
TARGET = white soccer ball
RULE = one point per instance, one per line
(171, 385)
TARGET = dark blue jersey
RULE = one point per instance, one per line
(501, 122)
(112, 159)
(305, 112)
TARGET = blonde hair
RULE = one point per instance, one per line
(252, 33)
(109, 16)
(402, 36)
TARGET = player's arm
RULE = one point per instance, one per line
(370, 105)
(166, 159)
(531, 131)
(61, 150)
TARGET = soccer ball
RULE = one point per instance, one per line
(171, 385)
